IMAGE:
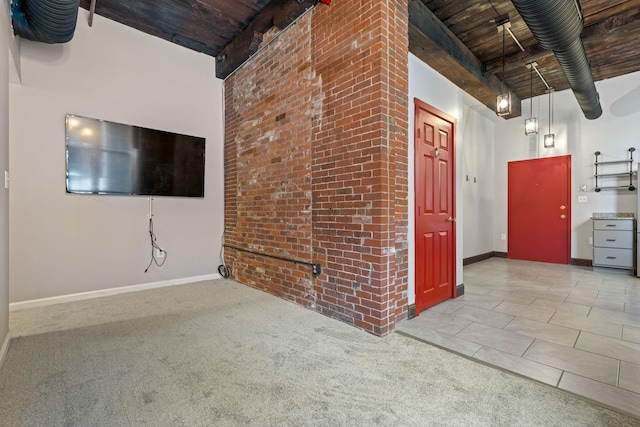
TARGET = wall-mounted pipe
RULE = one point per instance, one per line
(557, 25)
(46, 21)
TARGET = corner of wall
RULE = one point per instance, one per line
(15, 69)
(5, 43)
(15, 72)
(5, 348)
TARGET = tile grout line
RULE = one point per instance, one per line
(577, 337)
(560, 378)
(527, 349)
(507, 324)
(455, 335)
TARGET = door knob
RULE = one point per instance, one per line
(451, 219)
(563, 216)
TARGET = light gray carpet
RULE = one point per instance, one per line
(220, 354)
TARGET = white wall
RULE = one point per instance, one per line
(477, 181)
(6, 44)
(65, 243)
(474, 133)
(612, 134)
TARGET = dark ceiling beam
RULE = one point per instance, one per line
(432, 42)
(592, 35)
(279, 13)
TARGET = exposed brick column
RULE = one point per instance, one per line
(360, 54)
(316, 163)
(268, 193)
(399, 142)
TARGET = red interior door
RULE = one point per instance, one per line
(434, 193)
(539, 223)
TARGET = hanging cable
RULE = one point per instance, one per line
(503, 85)
(531, 92)
(550, 119)
(154, 245)
(223, 270)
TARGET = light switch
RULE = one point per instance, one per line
(6, 180)
(582, 199)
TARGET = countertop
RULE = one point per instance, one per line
(612, 215)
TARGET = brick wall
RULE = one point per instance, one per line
(316, 163)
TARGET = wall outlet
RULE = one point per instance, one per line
(503, 237)
(582, 199)
(160, 253)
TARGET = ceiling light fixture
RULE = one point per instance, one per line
(550, 138)
(503, 101)
(531, 124)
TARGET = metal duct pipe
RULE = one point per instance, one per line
(46, 21)
(557, 25)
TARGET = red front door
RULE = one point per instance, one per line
(434, 197)
(539, 224)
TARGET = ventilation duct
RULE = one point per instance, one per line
(557, 25)
(46, 21)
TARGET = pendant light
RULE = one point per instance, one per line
(550, 138)
(503, 101)
(531, 124)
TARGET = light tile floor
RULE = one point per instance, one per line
(566, 326)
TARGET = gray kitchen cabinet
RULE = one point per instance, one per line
(613, 243)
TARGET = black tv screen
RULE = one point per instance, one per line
(113, 158)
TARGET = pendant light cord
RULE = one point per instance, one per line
(531, 93)
(503, 31)
(550, 114)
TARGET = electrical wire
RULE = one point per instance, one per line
(223, 270)
(154, 247)
(494, 8)
(503, 57)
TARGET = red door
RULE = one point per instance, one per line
(434, 194)
(539, 224)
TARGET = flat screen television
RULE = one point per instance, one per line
(113, 158)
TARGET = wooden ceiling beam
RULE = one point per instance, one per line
(432, 42)
(279, 13)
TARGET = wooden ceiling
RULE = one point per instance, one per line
(459, 38)
(611, 37)
(230, 30)
(206, 26)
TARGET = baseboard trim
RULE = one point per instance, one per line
(581, 262)
(22, 305)
(459, 290)
(477, 258)
(5, 348)
(412, 311)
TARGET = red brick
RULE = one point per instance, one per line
(314, 170)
